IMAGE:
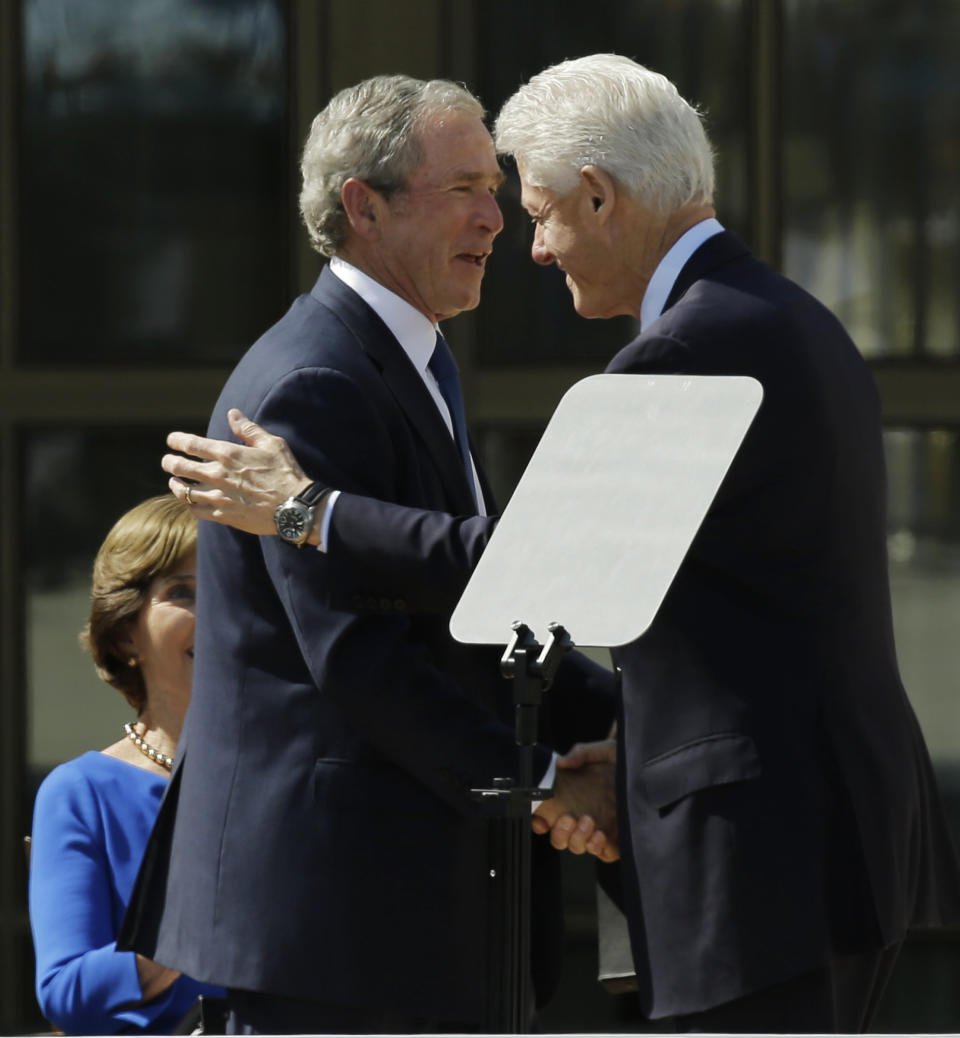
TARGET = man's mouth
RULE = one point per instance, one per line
(478, 259)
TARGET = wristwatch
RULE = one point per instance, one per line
(295, 517)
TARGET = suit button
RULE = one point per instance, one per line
(386, 605)
(371, 604)
(400, 605)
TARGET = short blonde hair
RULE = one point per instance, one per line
(146, 542)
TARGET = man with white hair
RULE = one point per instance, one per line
(779, 823)
(780, 826)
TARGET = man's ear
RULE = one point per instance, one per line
(363, 206)
(600, 188)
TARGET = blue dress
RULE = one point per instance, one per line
(91, 821)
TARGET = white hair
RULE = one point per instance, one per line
(372, 131)
(606, 110)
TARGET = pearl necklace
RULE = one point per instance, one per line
(146, 749)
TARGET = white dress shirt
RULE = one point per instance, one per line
(417, 335)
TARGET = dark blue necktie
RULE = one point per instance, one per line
(444, 369)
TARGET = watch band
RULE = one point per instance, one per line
(313, 494)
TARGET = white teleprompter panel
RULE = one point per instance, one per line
(607, 508)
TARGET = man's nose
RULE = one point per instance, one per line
(490, 216)
(539, 251)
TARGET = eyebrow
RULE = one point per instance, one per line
(475, 176)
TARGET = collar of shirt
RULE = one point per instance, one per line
(415, 332)
(668, 269)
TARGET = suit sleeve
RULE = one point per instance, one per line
(384, 557)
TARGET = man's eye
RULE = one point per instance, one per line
(181, 591)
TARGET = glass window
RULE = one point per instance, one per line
(154, 174)
(871, 163)
(527, 316)
(924, 543)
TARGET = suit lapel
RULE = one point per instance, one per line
(404, 382)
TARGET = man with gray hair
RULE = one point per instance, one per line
(779, 823)
(319, 851)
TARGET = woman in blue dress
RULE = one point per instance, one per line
(93, 815)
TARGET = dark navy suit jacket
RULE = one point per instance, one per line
(777, 797)
(777, 800)
(318, 839)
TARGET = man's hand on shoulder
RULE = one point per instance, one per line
(237, 484)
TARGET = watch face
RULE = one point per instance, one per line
(292, 522)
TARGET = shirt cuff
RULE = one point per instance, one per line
(547, 781)
(327, 516)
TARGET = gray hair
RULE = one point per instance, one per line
(371, 131)
(608, 111)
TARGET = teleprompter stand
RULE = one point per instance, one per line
(531, 666)
(594, 533)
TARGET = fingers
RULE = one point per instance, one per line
(178, 489)
(581, 836)
(545, 815)
(246, 429)
(582, 753)
(561, 832)
(210, 504)
(577, 835)
(200, 508)
(197, 446)
(217, 463)
(185, 468)
(602, 846)
(228, 454)
(574, 834)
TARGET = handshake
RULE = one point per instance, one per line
(581, 816)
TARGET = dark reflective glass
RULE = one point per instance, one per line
(924, 543)
(527, 316)
(871, 164)
(153, 189)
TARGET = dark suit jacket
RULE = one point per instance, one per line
(777, 797)
(777, 800)
(318, 839)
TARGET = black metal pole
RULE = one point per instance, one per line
(531, 668)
